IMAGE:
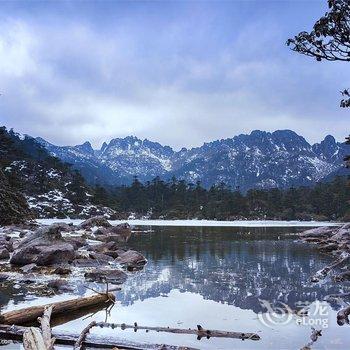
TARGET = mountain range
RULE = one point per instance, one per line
(259, 160)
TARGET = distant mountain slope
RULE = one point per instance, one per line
(258, 160)
(46, 184)
(83, 158)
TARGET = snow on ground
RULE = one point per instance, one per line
(206, 223)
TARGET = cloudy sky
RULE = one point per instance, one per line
(177, 72)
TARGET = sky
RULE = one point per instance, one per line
(178, 72)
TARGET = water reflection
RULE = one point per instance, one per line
(228, 265)
(217, 276)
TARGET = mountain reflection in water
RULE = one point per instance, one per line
(237, 266)
(216, 277)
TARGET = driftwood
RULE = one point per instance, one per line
(46, 328)
(31, 314)
(33, 339)
(92, 341)
(343, 316)
(200, 332)
(79, 343)
(314, 336)
(87, 312)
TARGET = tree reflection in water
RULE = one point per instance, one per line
(237, 266)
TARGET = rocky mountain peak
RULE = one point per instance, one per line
(260, 159)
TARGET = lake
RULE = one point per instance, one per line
(221, 278)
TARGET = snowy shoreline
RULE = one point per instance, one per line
(205, 223)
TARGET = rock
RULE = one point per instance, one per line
(43, 255)
(60, 285)
(104, 247)
(342, 233)
(3, 277)
(6, 243)
(44, 247)
(76, 242)
(44, 235)
(91, 259)
(62, 270)
(114, 253)
(119, 233)
(131, 258)
(104, 275)
(112, 238)
(87, 263)
(318, 232)
(110, 248)
(103, 258)
(99, 221)
(4, 254)
(29, 268)
(315, 279)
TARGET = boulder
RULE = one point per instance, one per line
(3, 277)
(62, 270)
(103, 258)
(60, 285)
(109, 248)
(45, 235)
(318, 232)
(342, 233)
(99, 221)
(103, 275)
(76, 242)
(29, 268)
(43, 255)
(87, 263)
(4, 254)
(104, 247)
(120, 233)
(131, 258)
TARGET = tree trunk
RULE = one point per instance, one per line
(31, 314)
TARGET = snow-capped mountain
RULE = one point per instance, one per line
(258, 160)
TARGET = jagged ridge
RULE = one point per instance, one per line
(259, 160)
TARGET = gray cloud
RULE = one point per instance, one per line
(178, 82)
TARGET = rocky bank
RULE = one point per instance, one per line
(94, 251)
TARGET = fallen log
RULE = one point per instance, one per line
(65, 317)
(200, 332)
(31, 314)
(92, 341)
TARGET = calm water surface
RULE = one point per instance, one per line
(221, 278)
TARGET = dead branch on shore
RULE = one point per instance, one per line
(79, 343)
(200, 332)
(46, 328)
(314, 336)
(91, 341)
(34, 339)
